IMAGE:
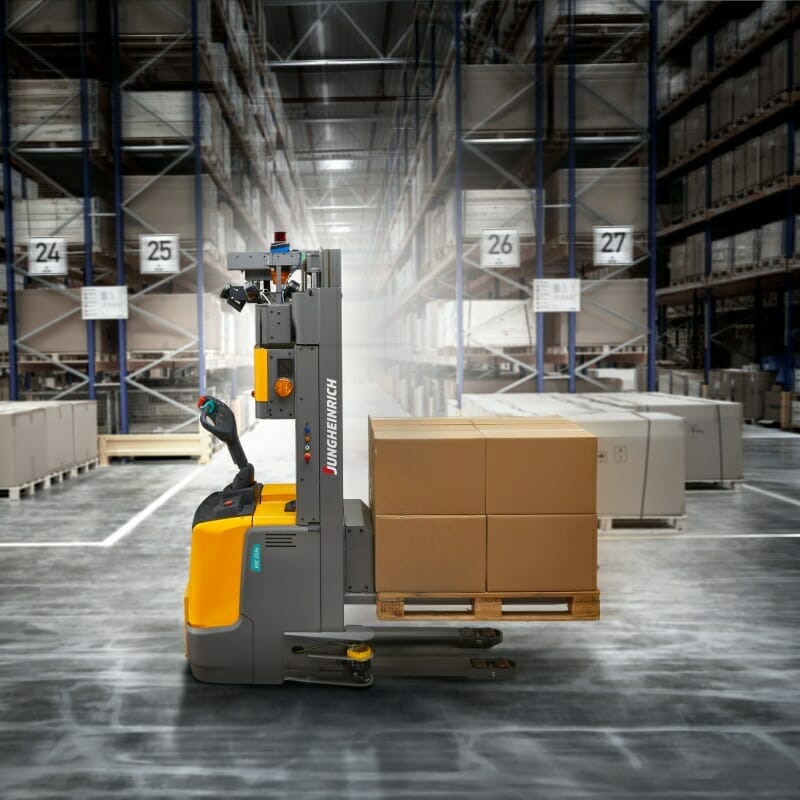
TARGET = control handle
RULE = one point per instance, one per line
(219, 421)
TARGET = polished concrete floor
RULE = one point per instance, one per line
(687, 687)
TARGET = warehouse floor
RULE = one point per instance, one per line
(686, 687)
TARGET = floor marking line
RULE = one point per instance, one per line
(774, 495)
(620, 537)
(51, 544)
(133, 522)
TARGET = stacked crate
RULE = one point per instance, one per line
(483, 507)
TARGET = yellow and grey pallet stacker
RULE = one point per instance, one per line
(272, 565)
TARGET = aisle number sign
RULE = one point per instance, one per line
(158, 254)
(556, 294)
(47, 256)
(613, 246)
(500, 248)
(104, 302)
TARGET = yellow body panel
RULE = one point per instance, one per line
(261, 374)
(214, 587)
(215, 572)
(274, 497)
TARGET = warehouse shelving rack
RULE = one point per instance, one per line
(431, 74)
(179, 60)
(698, 315)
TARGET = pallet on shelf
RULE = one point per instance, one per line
(576, 606)
(154, 445)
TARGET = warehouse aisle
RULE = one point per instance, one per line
(687, 681)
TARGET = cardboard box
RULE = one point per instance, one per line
(426, 469)
(541, 553)
(546, 469)
(430, 553)
(23, 432)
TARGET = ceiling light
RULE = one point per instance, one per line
(335, 164)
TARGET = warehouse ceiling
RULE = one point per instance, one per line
(339, 67)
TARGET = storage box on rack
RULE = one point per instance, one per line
(617, 196)
(747, 27)
(696, 256)
(169, 116)
(45, 112)
(739, 170)
(696, 127)
(613, 312)
(771, 246)
(752, 163)
(677, 139)
(152, 316)
(722, 255)
(725, 42)
(165, 203)
(608, 97)
(163, 17)
(745, 249)
(496, 98)
(419, 553)
(745, 98)
(36, 17)
(23, 458)
(696, 191)
(62, 216)
(498, 208)
(772, 76)
(722, 106)
(37, 307)
(677, 263)
(698, 60)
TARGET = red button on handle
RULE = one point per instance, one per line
(307, 457)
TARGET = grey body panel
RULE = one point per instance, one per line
(359, 548)
(283, 595)
(280, 407)
(307, 411)
(221, 655)
(274, 325)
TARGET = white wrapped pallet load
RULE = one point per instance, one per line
(163, 17)
(152, 314)
(722, 255)
(771, 242)
(608, 197)
(713, 431)
(49, 111)
(613, 312)
(36, 17)
(608, 97)
(38, 307)
(163, 203)
(498, 208)
(63, 217)
(745, 249)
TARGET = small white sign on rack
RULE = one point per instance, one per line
(613, 245)
(158, 254)
(47, 255)
(500, 248)
(104, 302)
(556, 294)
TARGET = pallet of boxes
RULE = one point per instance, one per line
(484, 519)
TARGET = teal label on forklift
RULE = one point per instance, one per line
(255, 558)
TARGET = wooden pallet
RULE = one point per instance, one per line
(27, 489)
(488, 606)
(607, 524)
(154, 445)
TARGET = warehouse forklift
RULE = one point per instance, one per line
(272, 565)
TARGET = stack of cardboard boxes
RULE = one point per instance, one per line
(488, 505)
